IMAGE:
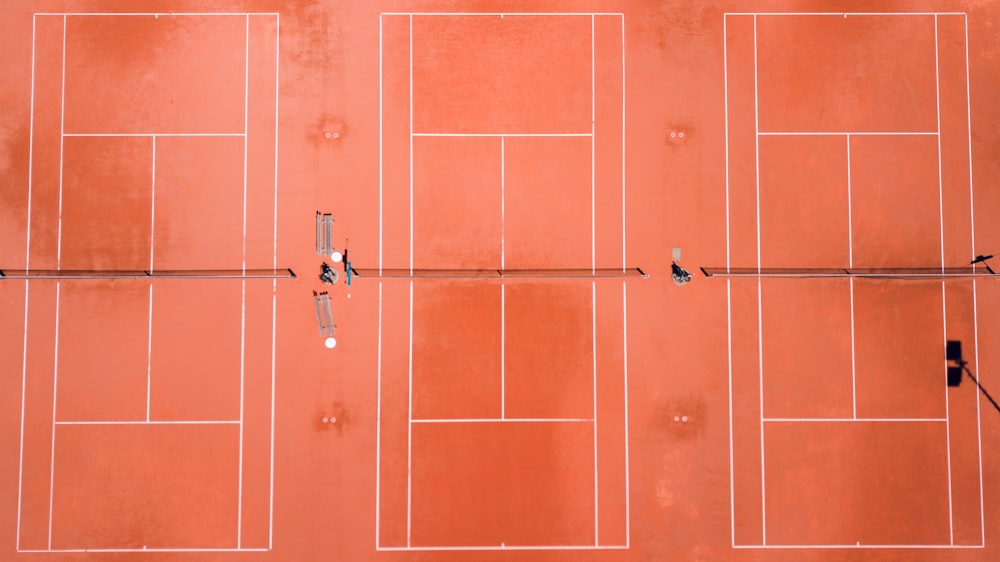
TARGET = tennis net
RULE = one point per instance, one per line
(497, 273)
(147, 274)
(900, 273)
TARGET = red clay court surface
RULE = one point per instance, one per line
(605, 419)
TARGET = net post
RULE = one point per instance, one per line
(291, 274)
(2, 274)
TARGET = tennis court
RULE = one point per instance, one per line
(515, 374)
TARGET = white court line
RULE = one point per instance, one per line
(760, 319)
(968, 121)
(850, 546)
(411, 189)
(975, 308)
(380, 168)
(729, 316)
(62, 130)
(507, 547)
(593, 246)
(243, 303)
(947, 416)
(937, 94)
(378, 418)
(593, 307)
(270, 501)
(501, 14)
(503, 287)
(839, 133)
(729, 345)
(593, 176)
(27, 266)
(729, 307)
(502, 420)
(109, 550)
(503, 350)
(760, 371)
(243, 330)
(55, 361)
(55, 388)
(502, 134)
(840, 420)
(623, 149)
(152, 206)
(725, 96)
(628, 519)
(274, 282)
(24, 380)
(944, 299)
(378, 369)
(409, 424)
(161, 134)
(850, 209)
(409, 386)
(842, 14)
(152, 239)
(246, 127)
(147, 14)
(850, 261)
(149, 352)
(149, 422)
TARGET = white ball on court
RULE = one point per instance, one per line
(337, 257)
(330, 343)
